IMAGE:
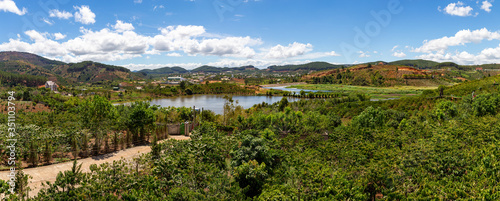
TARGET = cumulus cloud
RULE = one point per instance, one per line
(120, 42)
(488, 55)
(123, 26)
(458, 9)
(316, 55)
(59, 36)
(123, 43)
(292, 50)
(461, 38)
(486, 6)
(174, 54)
(364, 54)
(399, 54)
(10, 6)
(84, 15)
(174, 38)
(436, 50)
(60, 14)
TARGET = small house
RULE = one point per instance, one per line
(51, 85)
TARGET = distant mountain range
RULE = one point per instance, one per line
(89, 71)
(63, 73)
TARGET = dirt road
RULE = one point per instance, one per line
(49, 173)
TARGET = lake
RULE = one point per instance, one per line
(215, 102)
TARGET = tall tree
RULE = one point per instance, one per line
(98, 115)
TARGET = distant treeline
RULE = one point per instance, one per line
(315, 66)
(74, 67)
(416, 76)
(13, 79)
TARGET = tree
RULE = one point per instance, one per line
(141, 120)
(283, 103)
(251, 177)
(98, 114)
(441, 90)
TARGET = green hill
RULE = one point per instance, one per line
(63, 73)
(164, 70)
(419, 63)
(212, 69)
(313, 66)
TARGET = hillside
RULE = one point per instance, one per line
(418, 63)
(313, 66)
(212, 69)
(30, 58)
(379, 75)
(164, 71)
(63, 73)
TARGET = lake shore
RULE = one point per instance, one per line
(283, 85)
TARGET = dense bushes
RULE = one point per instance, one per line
(415, 148)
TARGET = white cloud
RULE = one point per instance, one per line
(122, 27)
(317, 55)
(399, 54)
(486, 6)
(292, 50)
(158, 7)
(488, 55)
(137, 1)
(364, 54)
(436, 49)
(47, 21)
(458, 9)
(394, 48)
(174, 54)
(111, 45)
(121, 42)
(10, 6)
(230, 46)
(59, 36)
(182, 32)
(84, 15)
(174, 38)
(461, 38)
(60, 14)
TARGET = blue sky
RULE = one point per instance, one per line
(150, 34)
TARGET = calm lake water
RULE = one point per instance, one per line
(216, 102)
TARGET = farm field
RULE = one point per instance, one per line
(373, 92)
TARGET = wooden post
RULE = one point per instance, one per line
(186, 129)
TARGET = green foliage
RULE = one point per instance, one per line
(446, 109)
(251, 148)
(14, 79)
(141, 120)
(315, 66)
(251, 177)
(486, 104)
(370, 118)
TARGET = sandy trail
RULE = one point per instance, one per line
(49, 173)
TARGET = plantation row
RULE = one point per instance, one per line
(415, 148)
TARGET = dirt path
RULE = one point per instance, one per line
(49, 173)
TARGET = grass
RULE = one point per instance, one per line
(373, 92)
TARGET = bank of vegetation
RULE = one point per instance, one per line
(428, 147)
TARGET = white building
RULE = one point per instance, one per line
(174, 80)
(51, 85)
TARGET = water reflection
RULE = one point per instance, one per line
(216, 102)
